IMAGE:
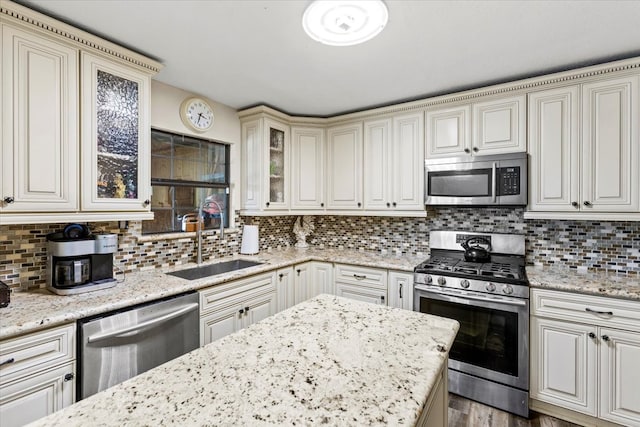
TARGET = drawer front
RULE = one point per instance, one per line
(593, 310)
(37, 351)
(363, 276)
(236, 291)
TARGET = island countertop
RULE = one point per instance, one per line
(328, 360)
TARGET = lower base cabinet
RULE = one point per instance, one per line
(401, 290)
(361, 283)
(584, 355)
(225, 309)
(37, 375)
(303, 281)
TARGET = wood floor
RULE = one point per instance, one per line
(467, 413)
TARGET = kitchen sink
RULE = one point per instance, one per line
(214, 269)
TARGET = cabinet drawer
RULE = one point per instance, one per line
(37, 351)
(593, 310)
(363, 276)
(262, 283)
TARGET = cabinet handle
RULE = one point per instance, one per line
(400, 290)
(592, 335)
(8, 200)
(146, 202)
(359, 277)
(359, 204)
(267, 204)
(6, 362)
(68, 377)
(475, 149)
(241, 310)
(587, 203)
(608, 313)
(246, 310)
(280, 276)
(575, 204)
(605, 338)
(382, 299)
(466, 150)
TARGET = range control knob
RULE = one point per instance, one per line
(464, 283)
(429, 279)
(442, 281)
(490, 287)
(507, 289)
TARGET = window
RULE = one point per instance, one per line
(185, 173)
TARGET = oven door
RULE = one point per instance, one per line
(493, 340)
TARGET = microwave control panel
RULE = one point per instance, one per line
(509, 181)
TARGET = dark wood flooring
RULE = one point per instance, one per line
(467, 413)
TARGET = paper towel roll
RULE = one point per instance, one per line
(249, 240)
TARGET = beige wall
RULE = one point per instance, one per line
(165, 115)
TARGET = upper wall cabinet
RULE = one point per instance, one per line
(307, 168)
(344, 166)
(495, 126)
(46, 102)
(585, 150)
(265, 165)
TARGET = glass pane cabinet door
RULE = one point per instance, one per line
(277, 136)
(115, 137)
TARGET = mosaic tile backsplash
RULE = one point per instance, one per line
(592, 245)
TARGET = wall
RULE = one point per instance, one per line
(584, 245)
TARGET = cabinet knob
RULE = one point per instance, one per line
(298, 271)
(8, 200)
(359, 204)
(466, 150)
(241, 310)
(280, 276)
(394, 204)
(68, 377)
(267, 204)
(246, 309)
(575, 204)
(146, 202)
(592, 335)
(587, 203)
(388, 204)
(322, 205)
(475, 149)
(382, 299)
(605, 338)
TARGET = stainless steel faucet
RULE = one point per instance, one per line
(199, 227)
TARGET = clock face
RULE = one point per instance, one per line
(197, 114)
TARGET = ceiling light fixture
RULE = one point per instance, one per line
(344, 22)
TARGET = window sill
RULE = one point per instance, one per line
(182, 235)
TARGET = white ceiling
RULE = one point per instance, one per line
(243, 53)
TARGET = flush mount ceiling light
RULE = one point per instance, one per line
(344, 22)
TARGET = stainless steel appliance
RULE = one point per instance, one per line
(116, 346)
(489, 359)
(80, 263)
(499, 180)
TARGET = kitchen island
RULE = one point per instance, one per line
(328, 360)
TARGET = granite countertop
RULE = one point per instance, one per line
(593, 283)
(328, 360)
(36, 310)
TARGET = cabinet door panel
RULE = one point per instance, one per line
(611, 152)
(321, 279)
(220, 324)
(285, 288)
(563, 363)
(401, 290)
(408, 165)
(301, 280)
(620, 377)
(553, 145)
(260, 307)
(307, 167)
(448, 131)
(377, 166)
(252, 165)
(36, 396)
(39, 150)
(499, 126)
(344, 167)
(276, 136)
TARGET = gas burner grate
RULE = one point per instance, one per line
(506, 271)
(467, 268)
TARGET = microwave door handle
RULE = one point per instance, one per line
(494, 188)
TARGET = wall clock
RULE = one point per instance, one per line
(197, 114)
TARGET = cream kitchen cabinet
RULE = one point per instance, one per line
(265, 165)
(55, 104)
(311, 279)
(227, 308)
(307, 168)
(361, 283)
(285, 288)
(393, 166)
(344, 167)
(584, 352)
(401, 290)
(37, 375)
(585, 150)
(492, 126)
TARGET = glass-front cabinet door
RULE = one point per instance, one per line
(115, 136)
(277, 187)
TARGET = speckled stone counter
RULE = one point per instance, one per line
(36, 310)
(328, 360)
(600, 284)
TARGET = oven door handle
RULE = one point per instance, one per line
(460, 297)
(494, 189)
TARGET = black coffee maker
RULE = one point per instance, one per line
(79, 261)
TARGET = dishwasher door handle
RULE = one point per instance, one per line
(144, 325)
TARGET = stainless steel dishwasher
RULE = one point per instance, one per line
(116, 346)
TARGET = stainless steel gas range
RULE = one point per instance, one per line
(485, 288)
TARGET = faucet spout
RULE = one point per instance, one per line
(201, 225)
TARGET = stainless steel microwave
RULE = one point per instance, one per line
(499, 180)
